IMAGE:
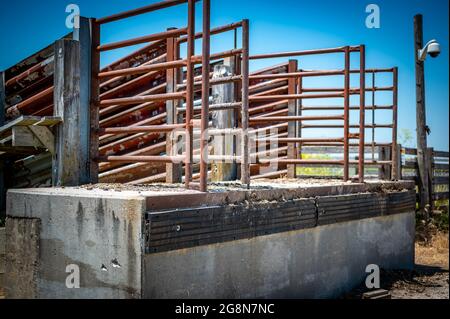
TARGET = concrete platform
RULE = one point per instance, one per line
(284, 238)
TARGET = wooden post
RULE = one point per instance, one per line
(430, 159)
(422, 161)
(69, 169)
(384, 154)
(292, 126)
(223, 145)
(398, 158)
(173, 171)
(2, 163)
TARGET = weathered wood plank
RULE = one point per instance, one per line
(27, 120)
(45, 136)
(23, 136)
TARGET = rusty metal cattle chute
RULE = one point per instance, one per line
(137, 104)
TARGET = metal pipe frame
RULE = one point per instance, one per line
(362, 112)
(205, 96)
(319, 94)
(188, 94)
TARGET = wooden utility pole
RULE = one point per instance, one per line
(422, 160)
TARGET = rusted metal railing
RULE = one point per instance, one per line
(188, 94)
(297, 93)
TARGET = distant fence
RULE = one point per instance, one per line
(439, 174)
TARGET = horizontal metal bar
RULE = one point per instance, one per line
(143, 99)
(219, 158)
(142, 10)
(225, 106)
(341, 126)
(141, 129)
(144, 69)
(295, 74)
(29, 71)
(221, 29)
(304, 161)
(216, 107)
(141, 159)
(294, 97)
(300, 139)
(352, 90)
(373, 70)
(296, 53)
(296, 118)
(374, 163)
(144, 39)
(337, 107)
(197, 59)
(216, 81)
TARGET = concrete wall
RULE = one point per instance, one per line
(23, 250)
(321, 262)
(100, 233)
(2, 255)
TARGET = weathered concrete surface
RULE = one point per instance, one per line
(102, 231)
(2, 255)
(22, 267)
(321, 262)
(99, 231)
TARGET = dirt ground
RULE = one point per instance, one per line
(428, 280)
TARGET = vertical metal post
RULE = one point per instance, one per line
(95, 99)
(346, 112)
(245, 165)
(422, 160)
(173, 170)
(2, 98)
(2, 163)
(189, 93)
(292, 110)
(83, 35)
(362, 110)
(394, 151)
(299, 113)
(205, 97)
(373, 116)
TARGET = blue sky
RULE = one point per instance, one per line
(27, 26)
